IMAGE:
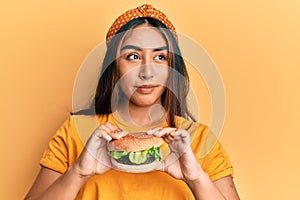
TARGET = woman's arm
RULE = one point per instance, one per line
(182, 164)
(227, 187)
(92, 160)
(200, 183)
(50, 184)
(221, 189)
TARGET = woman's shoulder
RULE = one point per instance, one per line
(99, 118)
(84, 125)
(189, 124)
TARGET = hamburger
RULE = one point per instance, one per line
(135, 152)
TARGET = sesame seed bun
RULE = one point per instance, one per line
(135, 142)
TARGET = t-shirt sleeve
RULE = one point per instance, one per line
(55, 156)
(211, 155)
(216, 163)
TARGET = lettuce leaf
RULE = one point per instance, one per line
(117, 154)
(153, 151)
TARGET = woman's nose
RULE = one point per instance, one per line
(146, 72)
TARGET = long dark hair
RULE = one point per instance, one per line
(173, 99)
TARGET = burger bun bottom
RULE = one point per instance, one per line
(135, 168)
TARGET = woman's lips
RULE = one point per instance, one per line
(146, 89)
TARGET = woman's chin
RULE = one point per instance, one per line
(145, 104)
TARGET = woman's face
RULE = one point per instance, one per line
(143, 65)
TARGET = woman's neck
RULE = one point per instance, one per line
(141, 116)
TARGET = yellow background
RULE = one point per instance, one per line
(255, 45)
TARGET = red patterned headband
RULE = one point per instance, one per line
(145, 10)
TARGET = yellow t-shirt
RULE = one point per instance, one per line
(67, 144)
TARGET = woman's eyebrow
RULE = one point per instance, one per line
(140, 49)
(131, 47)
(161, 48)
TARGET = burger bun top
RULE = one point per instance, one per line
(135, 142)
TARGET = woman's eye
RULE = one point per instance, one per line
(133, 57)
(160, 57)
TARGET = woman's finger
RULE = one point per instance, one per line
(115, 132)
(168, 138)
(164, 131)
(111, 127)
(101, 132)
(106, 136)
(181, 135)
(153, 131)
(112, 130)
(103, 128)
(180, 132)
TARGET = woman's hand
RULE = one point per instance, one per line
(181, 163)
(94, 158)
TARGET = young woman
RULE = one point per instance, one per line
(142, 87)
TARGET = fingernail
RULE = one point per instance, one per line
(117, 137)
(153, 131)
